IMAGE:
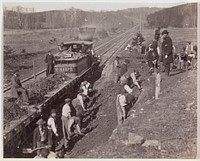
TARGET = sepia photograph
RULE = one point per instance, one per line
(97, 79)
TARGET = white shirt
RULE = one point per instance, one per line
(51, 125)
(66, 111)
(81, 100)
(128, 89)
(85, 86)
(133, 77)
(122, 100)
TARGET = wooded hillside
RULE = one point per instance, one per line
(178, 16)
(74, 18)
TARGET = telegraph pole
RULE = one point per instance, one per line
(140, 23)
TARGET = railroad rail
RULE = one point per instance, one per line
(15, 134)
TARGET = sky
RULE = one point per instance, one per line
(96, 5)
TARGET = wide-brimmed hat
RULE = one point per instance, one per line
(53, 111)
(67, 100)
(165, 32)
(40, 122)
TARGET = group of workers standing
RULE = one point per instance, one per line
(45, 133)
(162, 49)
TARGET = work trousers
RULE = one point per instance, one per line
(51, 139)
(65, 122)
(167, 68)
(24, 93)
(50, 69)
(120, 118)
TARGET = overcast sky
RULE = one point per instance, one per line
(98, 5)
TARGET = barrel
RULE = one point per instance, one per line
(87, 33)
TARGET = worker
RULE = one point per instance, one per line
(86, 87)
(116, 67)
(78, 108)
(157, 34)
(190, 54)
(183, 59)
(66, 114)
(130, 79)
(126, 89)
(167, 51)
(152, 58)
(61, 47)
(52, 127)
(74, 122)
(16, 88)
(83, 48)
(120, 105)
(41, 135)
(50, 61)
(82, 99)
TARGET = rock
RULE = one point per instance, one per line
(135, 139)
(152, 143)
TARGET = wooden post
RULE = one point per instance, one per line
(157, 84)
(34, 68)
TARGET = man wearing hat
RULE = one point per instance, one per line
(152, 57)
(16, 88)
(157, 34)
(66, 114)
(167, 51)
(40, 135)
(51, 126)
(50, 61)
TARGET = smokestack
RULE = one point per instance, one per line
(87, 33)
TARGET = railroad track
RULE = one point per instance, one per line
(109, 44)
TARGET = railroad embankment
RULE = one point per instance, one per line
(163, 128)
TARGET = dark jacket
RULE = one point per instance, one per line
(15, 83)
(167, 49)
(49, 59)
(37, 137)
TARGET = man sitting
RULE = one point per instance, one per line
(16, 88)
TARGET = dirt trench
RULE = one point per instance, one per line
(101, 119)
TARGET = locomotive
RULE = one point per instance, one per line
(75, 57)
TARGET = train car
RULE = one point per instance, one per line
(75, 57)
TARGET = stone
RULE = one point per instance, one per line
(152, 143)
(135, 139)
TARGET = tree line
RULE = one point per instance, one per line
(178, 16)
(73, 18)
